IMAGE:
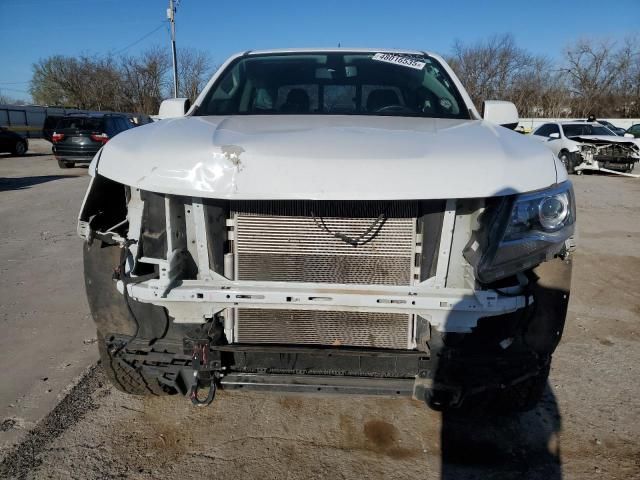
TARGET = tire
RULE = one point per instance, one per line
(20, 149)
(123, 376)
(112, 317)
(521, 397)
(63, 164)
(567, 160)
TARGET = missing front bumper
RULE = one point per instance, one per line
(327, 370)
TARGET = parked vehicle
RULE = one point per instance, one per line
(330, 221)
(584, 146)
(77, 138)
(610, 126)
(49, 126)
(32, 121)
(617, 130)
(11, 142)
(634, 130)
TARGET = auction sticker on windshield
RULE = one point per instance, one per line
(399, 60)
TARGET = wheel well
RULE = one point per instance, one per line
(105, 204)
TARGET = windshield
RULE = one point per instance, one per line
(335, 84)
(577, 130)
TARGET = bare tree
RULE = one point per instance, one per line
(49, 84)
(103, 80)
(627, 88)
(596, 72)
(599, 77)
(539, 89)
(194, 68)
(488, 68)
(144, 81)
(82, 82)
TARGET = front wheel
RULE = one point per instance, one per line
(123, 376)
(20, 149)
(115, 315)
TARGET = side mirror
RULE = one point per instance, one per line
(501, 113)
(554, 136)
(174, 107)
(629, 135)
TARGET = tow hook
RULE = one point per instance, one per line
(203, 375)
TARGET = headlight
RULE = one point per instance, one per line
(553, 212)
(541, 213)
(529, 229)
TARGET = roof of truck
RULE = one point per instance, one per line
(337, 50)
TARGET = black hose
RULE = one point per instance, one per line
(357, 241)
(123, 277)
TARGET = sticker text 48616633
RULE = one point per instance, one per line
(399, 60)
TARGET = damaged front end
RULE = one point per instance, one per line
(594, 154)
(372, 297)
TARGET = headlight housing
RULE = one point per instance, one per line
(526, 230)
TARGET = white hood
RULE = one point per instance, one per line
(327, 158)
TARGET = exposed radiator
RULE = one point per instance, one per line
(296, 249)
(297, 242)
(312, 327)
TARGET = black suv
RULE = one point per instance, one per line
(78, 137)
(12, 142)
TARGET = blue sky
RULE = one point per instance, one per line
(34, 29)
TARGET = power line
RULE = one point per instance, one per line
(140, 39)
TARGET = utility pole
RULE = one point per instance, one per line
(171, 16)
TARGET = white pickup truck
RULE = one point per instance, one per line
(338, 221)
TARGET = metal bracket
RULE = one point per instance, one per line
(203, 374)
(448, 225)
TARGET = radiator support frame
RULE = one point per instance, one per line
(446, 309)
(213, 295)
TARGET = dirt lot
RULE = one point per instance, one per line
(586, 427)
(46, 329)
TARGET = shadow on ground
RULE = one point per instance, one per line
(20, 183)
(29, 154)
(524, 445)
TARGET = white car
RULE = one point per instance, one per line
(582, 145)
(330, 221)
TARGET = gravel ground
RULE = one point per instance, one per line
(47, 334)
(586, 427)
